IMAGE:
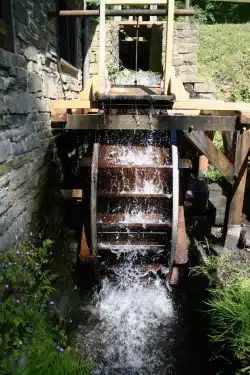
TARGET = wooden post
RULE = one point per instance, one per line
(118, 18)
(175, 209)
(153, 18)
(93, 199)
(169, 45)
(203, 160)
(238, 190)
(187, 6)
(84, 250)
(102, 43)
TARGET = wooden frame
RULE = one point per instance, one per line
(93, 199)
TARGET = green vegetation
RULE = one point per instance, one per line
(229, 301)
(213, 175)
(224, 58)
(34, 339)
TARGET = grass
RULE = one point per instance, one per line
(229, 308)
(229, 301)
(224, 58)
(212, 174)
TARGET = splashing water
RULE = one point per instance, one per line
(130, 324)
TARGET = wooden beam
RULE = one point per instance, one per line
(202, 142)
(211, 105)
(93, 198)
(238, 191)
(159, 122)
(169, 45)
(102, 41)
(176, 87)
(70, 104)
(181, 256)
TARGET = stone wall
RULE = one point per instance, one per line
(185, 49)
(29, 78)
(112, 48)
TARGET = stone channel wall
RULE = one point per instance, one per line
(30, 77)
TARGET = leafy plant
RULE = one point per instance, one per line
(34, 339)
(241, 95)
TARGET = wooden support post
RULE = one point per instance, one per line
(238, 190)
(175, 209)
(93, 200)
(153, 18)
(202, 142)
(169, 45)
(84, 250)
(118, 18)
(102, 43)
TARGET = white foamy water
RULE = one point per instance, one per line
(129, 327)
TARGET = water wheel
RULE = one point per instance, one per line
(135, 208)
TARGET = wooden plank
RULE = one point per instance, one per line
(211, 105)
(169, 45)
(93, 198)
(84, 250)
(136, 2)
(181, 256)
(102, 41)
(70, 104)
(176, 87)
(158, 122)
(175, 207)
(202, 142)
(238, 191)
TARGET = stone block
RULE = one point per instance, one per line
(5, 168)
(205, 96)
(43, 105)
(9, 59)
(33, 67)
(31, 54)
(5, 204)
(4, 83)
(204, 87)
(15, 210)
(35, 83)
(187, 48)
(3, 109)
(50, 87)
(20, 103)
(4, 224)
(177, 60)
(190, 58)
(21, 12)
(5, 150)
(20, 176)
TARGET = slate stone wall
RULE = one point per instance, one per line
(29, 78)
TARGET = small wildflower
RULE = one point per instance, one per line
(70, 320)
(61, 350)
(6, 286)
(17, 252)
(17, 301)
(57, 347)
(31, 234)
(52, 302)
(20, 342)
(27, 252)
